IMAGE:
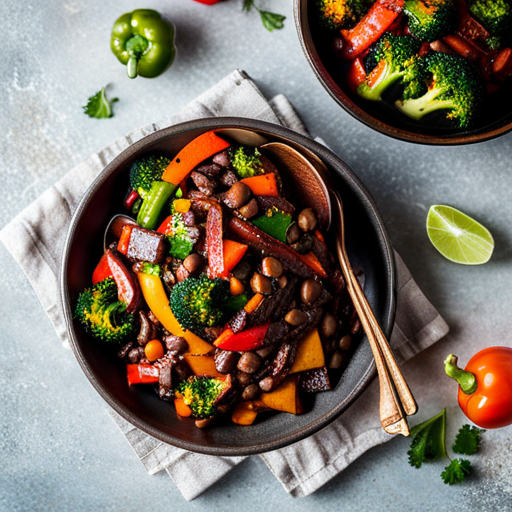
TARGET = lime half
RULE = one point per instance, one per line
(458, 237)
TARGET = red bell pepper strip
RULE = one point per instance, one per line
(128, 288)
(315, 264)
(165, 227)
(124, 239)
(130, 199)
(356, 74)
(249, 339)
(102, 271)
(208, 2)
(141, 374)
(379, 18)
(214, 241)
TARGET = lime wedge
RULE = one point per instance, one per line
(458, 237)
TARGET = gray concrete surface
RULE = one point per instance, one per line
(59, 450)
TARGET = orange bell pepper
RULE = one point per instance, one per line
(264, 185)
(201, 148)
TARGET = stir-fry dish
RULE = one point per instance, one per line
(217, 290)
(435, 60)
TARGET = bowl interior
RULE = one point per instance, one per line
(382, 116)
(368, 247)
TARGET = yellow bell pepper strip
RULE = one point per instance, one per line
(196, 151)
(156, 298)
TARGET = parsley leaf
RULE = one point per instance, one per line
(428, 440)
(467, 441)
(271, 20)
(99, 106)
(456, 472)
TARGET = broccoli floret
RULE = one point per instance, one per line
(200, 394)
(336, 14)
(199, 302)
(179, 239)
(102, 314)
(246, 161)
(147, 169)
(496, 17)
(429, 20)
(394, 55)
(452, 84)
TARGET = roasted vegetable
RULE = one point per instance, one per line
(429, 20)
(200, 394)
(336, 14)
(246, 161)
(199, 302)
(454, 86)
(102, 314)
(147, 169)
(181, 243)
(496, 17)
(393, 56)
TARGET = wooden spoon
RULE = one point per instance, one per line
(312, 175)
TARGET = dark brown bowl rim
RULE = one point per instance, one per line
(357, 189)
(309, 49)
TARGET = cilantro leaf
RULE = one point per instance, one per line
(428, 440)
(271, 20)
(247, 5)
(99, 106)
(456, 472)
(467, 441)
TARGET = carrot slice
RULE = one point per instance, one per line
(201, 148)
(313, 262)
(253, 303)
(124, 239)
(264, 185)
(379, 18)
(182, 408)
(233, 252)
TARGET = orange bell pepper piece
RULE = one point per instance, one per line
(233, 252)
(201, 148)
(264, 185)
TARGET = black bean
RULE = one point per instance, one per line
(310, 291)
(249, 362)
(336, 360)
(242, 270)
(329, 325)
(250, 392)
(345, 342)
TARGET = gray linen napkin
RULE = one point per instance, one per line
(35, 239)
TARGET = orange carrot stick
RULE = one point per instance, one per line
(264, 185)
(313, 262)
(379, 18)
(253, 303)
(124, 240)
(192, 155)
(233, 253)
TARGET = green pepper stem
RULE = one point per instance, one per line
(467, 381)
(132, 67)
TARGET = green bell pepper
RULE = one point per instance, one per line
(275, 223)
(144, 42)
(153, 204)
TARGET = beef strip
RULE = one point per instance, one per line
(268, 202)
(165, 387)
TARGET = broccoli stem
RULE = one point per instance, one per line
(467, 381)
(419, 107)
(385, 80)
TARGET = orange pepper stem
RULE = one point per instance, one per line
(467, 381)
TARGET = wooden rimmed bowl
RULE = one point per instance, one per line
(368, 246)
(330, 71)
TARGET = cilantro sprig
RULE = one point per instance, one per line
(429, 443)
(271, 20)
(99, 106)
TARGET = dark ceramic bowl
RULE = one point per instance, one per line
(381, 116)
(368, 246)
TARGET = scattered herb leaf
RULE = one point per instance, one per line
(271, 20)
(428, 440)
(99, 106)
(456, 472)
(467, 441)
